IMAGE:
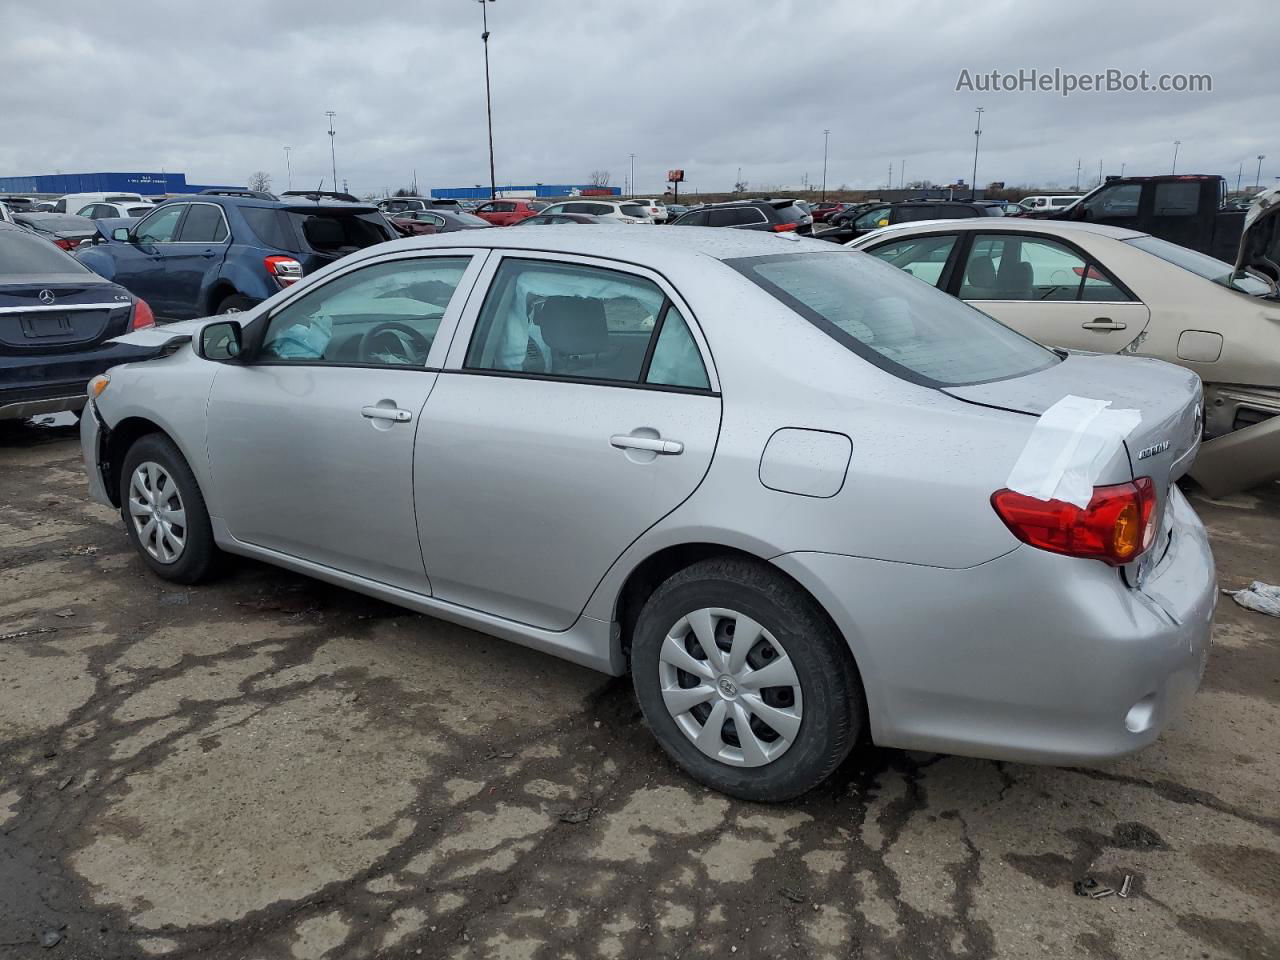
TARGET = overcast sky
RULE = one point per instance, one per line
(217, 90)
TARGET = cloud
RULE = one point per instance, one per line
(711, 86)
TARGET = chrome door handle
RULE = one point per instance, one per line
(670, 448)
(386, 413)
(1104, 323)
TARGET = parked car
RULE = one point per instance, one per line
(1185, 209)
(56, 322)
(394, 205)
(18, 204)
(103, 210)
(778, 216)
(503, 213)
(547, 219)
(654, 209)
(906, 211)
(44, 206)
(5, 215)
(773, 595)
(823, 211)
(224, 251)
(427, 222)
(67, 231)
(676, 209)
(1109, 290)
(852, 211)
(618, 211)
(1049, 203)
(75, 201)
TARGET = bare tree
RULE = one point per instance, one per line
(599, 178)
(260, 180)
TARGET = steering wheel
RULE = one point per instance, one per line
(420, 344)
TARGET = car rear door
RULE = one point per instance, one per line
(1048, 289)
(311, 441)
(578, 406)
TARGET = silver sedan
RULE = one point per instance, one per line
(801, 497)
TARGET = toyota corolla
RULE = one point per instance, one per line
(801, 497)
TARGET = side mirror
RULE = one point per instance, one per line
(221, 342)
(121, 234)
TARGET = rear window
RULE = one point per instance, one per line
(469, 220)
(1203, 265)
(537, 205)
(903, 326)
(792, 213)
(139, 211)
(53, 221)
(631, 210)
(324, 231)
(25, 255)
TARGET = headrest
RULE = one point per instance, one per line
(574, 325)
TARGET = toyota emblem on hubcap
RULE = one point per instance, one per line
(728, 687)
(46, 296)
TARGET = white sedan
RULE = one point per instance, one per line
(1106, 289)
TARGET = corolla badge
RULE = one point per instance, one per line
(1151, 451)
(46, 296)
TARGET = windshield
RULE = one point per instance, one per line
(1202, 265)
(25, 255)
(895, 321)
(628, 210)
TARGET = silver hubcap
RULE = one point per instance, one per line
(155, 507)
(730, 687)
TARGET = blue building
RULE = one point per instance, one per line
(532, 190)
(147, 184)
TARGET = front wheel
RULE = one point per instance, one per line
(744, 681)
(164, 512)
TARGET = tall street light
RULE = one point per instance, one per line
(826, 138)
(633, 173)
(288, 166)
(977, 136)
(332, 156)
(1258, 183)
(1176, 145)
(488, 101)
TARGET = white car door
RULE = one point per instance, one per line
(311, 440)
(1049, 290)
(577, 408)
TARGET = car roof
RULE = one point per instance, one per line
(1027, 225)
(622, 242)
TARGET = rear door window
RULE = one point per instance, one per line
(915, 332)
(735, 217)
(1176, 199)
(204, 224)
(1011, 267)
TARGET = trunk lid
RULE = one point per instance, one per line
(60, 312)
(1162, 446)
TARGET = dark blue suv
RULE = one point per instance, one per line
(223, 251)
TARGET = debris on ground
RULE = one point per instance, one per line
(1126, 886)
(576, 816)
(1258, 596)
(65, 783)
(795, 896)
(88, 550)
(176, 599)
(35, 631)
(65, 613)
(51, 938)
(1089, 887)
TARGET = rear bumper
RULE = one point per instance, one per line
(32, 385)
(1032, 656)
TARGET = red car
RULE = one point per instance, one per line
(825, 210)
(503, 213)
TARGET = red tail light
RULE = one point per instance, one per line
(64, 243)
(1116, 527)
(783, 227)
(142, 315)
(285, 270)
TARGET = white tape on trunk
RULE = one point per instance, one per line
(1069, 447)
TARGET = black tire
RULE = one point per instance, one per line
(199, 557)
(833, 702)
(235, 304)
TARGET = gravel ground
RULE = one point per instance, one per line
(269, 767)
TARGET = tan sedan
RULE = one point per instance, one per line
(1091, 287)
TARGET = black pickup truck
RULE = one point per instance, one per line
(1182, 208)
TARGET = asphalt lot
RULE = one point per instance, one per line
(269, 767)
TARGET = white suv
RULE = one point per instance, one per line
(656, 209)
(623, 211)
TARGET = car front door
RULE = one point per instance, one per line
(1049, 290)
(311, 441)
(141, 264)
(576, 409)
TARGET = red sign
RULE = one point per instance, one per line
(675, 176)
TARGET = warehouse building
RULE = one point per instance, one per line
(146, 184)
(542, 190)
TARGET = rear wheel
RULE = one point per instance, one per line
(234, 304)
(744, 681)
(164, 512)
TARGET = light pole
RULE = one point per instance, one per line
(1176, 145)
(1239, 177)
(332, 156)
(488, 101)
(826, 139)
(288, 166)
(1077, 174)
(977, 137)
(1258, 183)
(1122, 169)
(633, 173)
